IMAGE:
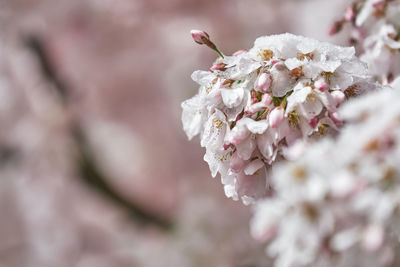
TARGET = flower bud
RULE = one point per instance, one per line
(321, 85)
(338, 96)
(263, 82)
(266, 99)
(349, 14)
(200, 37)
(335, 117)
(336, 27)
(218, 66)
(239, 52)
(276, 117)
(254, 98)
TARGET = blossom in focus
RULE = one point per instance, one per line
(337, 203)
(283, 89)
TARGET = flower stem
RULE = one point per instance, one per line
(218, 52)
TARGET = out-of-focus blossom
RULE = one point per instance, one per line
(376, 24)
(337, 203)
(285, 88)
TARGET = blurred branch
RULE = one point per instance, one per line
(93, 177)
(86, 166)
(36, 46)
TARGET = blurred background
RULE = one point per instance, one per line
(95, 169)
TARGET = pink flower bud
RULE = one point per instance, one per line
(263, 82)
(266, 99)
(218, 66)
(336, 27)
(274, 61)
(239, 52)
(321, 85)
(336, 118)
(254, 98)
(276, 117)
(314, 122)
(338, 96)
(200, 37)
(349, 14)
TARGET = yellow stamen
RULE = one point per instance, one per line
(265, 54)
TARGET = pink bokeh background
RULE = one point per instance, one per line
(126, 65)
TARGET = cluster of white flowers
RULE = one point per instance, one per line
(339, 203)
(376, 24)
(253, 104)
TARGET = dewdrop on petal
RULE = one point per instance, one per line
(252, 105)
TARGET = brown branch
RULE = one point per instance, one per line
(88, 172)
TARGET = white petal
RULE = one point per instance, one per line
(203, 77)
(214, 131)
(232, 97)
(257, 127)
(281, 82)
(292, 63)
(192, 116)
(246, 147)
(310, 108)
(327, 99)
(297, 97)
(265, 145)
(253, 166)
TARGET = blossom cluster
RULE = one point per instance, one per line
(338, 203)
(376, 25)
(253, 104)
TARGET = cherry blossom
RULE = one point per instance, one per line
(254, 103)
(375, 25)
(339, 198)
